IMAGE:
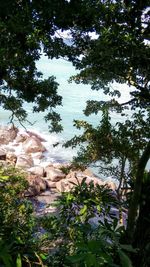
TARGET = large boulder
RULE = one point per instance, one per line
(54, 174)
(72, 174)
(88, 172)
(111, 185)
(3, 163)
(21, 137)
(63, 186)
(36, 185)
(50, 184)
(7, 134)
(66, 185)
(37, 136)
(11, 158)
(33, 145)
(37, 170)
(24, 161)
(37, 155)
(60, 166)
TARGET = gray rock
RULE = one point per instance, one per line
(11, 158)
(24, 161)
(33, 145)
(36, 184)
(50, 184)
(7, 134)
(37, 170)
(54, 174)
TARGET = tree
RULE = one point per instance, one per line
(28, 29)
(119, 53)
(114, 149)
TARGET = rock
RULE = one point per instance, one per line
(36, 184)
(71, 174)
(97, 181)
(33, 145)
(74, 174)
(9, 149)
(37, 136)
(111, 185)
(88, 172)
(24, 161)
(63, 186)
(7, 134)
(21, 138)
(11, 158)
(37, 170)
(61, 165)
(38, 155)
(2, 154)
(54, 174)
(66, 185)
(50, 184)
(3, 163)
(46, 164)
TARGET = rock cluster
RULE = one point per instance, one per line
(44, 176)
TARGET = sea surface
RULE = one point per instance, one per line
(73, 104)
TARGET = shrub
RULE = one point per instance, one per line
(17, 242)
(76, 241)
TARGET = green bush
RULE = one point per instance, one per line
(68, 239)
(75, 241)
(18, 245)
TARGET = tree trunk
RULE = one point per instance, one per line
(142, 232)
(123, 161)
(134, 204)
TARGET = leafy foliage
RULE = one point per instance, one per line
(118, 52)
(114, 149)
(78, 240)
(29, 28)
(18, 245)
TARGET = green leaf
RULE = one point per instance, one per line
(99, 208)
(76, 258)
(83, 210)
(19, 261)
(5, 254)
(90, 260)
(128, 248)
(125, 260)
(4, 178)
(43, 256)
(95, 245)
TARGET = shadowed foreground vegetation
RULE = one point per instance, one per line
(85, 232)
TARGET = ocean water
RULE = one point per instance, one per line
(73, 104)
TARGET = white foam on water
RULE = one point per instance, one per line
(55, 152)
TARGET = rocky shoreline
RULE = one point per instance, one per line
(26, 151)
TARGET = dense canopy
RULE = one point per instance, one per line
(27, 30)
(109, 41)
